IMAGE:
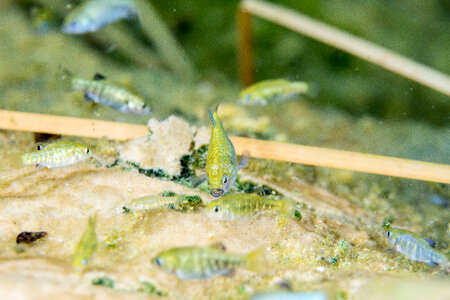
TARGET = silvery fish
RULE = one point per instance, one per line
(86, 246)
(221, 161)
(290, 296)
(93, 15)
(247, 206)
(414, 247)
(59, 154)
(101, 91)
(205, 262)
(274, 91)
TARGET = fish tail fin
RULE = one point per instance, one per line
(313, 89)
(257, 260)
(288, 208)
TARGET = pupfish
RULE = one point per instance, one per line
(414, 247)
(205, 262)
(248, 206)
(149, 203)
(99, 90)
(274, 91)
(95, 14)
(221, 161)
(290, 296)
(86, 246)
(59, 154)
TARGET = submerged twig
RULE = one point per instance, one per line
(361, 162)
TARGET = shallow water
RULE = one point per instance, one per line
(338, 247)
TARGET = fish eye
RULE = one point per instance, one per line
(87, 151)
(388, 233)
(225, 179)
(39, 147)
(216, 208)
(158, 261)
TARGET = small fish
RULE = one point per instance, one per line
(59, 154)
(290, 296)
(248, 206)
(414, 247)
(86, 246)
(28, 237)
(221, 161)
(149, 203)
(205, 262)
(104, 92)
(95, 14)
(273, 91)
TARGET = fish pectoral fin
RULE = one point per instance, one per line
(219, 246)
(199, 180)
(390, 250)
(430, 242)
(228, 273)
(99, 76)
(245, 158)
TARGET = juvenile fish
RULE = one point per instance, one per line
(248, 206)
(221, 161)
(414, 247)
(59, 154)
(95, 14)
(200, 263)
(149, 203)
(86, 246)
(104, 92)
(274, 91)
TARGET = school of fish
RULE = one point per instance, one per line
(192, 262)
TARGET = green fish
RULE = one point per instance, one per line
(92, 15)
(205, 262)
(59, 154)
(104, 92)
(181, 203)
(274, 91)
(414, 247)
(221, 161)
(86, 246)
(149, 203)
(248, 206)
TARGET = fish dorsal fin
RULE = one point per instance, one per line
(99, 76)
(219, 246)
(430, 242)
(212, 118)
(245, 158)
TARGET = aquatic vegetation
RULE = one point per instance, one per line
(274, 91)
(248, 206)
(104, 281)
(28, 237)
(414, 247)
(150, 288)
(221, 162)
(99, 90)
(86, 246)
(59, 154)
(92, 15)
(201, 263)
